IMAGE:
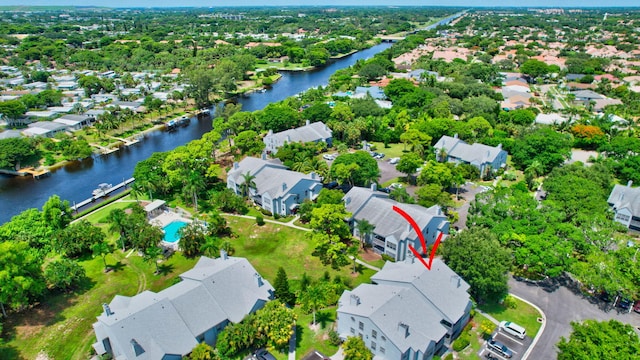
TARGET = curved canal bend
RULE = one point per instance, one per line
(75, 181)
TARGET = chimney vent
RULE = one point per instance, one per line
(308, 123)
(374, 187)
(355, 300)
(403, 329)
(455, 136)
(107, 309)
(258, 278)
(264, 155)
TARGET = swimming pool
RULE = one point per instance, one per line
(172, 231)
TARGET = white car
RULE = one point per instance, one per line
(328, 157)
(513, 329)
(394, 160)
(395, 186)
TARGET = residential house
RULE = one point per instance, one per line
(392, 234)
(274, 187)
(625, 202)
(44, 129)
(75, 122)
(169, 324)
(375, 92)
(316, 132)
(485, 158)
(408, 312)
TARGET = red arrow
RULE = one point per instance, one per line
(415, 252)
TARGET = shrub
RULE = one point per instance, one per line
(259, 220)
(386, 257)
(487, 327)
(509, 176)
(334, 338)
(461, 343)
(449, 356)
(510, 302)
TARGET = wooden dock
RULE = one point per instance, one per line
(92, 199)
(36, 173)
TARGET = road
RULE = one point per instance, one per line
(561, 307)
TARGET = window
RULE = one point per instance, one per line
(353, 331)
(391, 246)
(360, 325)
(374, 334)
(383, 338)
(353, 319)
(622, 217)
(373, 346)
(381, 350)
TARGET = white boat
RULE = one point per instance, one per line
(102, 190)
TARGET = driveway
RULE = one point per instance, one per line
(467, 193)
(387, 170)
(562, 306)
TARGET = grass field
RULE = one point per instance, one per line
(60, 326)
(394, 150)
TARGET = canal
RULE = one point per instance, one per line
(76, 180)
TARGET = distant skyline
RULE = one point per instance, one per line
(219, 3)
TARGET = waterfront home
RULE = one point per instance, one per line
(272, 185)
(408, 312)
(75, 122)
(392, 234)
(44, 129)
(170, 323)
(310, 132)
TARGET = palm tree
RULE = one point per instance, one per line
(247, 183)
(210, 247)
(313, 297)
(442, 155)
(364, 228)
(101, 249)
(352, 251)
(117, 219)
(228, 247)
(152, 253)
(194, 184)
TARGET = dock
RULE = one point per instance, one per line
(92, 199)
(36, 173)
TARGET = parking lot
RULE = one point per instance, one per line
(518, 347)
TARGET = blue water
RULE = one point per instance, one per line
(172, 231)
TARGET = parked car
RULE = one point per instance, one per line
(490, 356)
(395, 186)
(262, 354)
(500, 348)
(636, 307)
(328, 157)
(625, 304)
(394, 160)
(379, 156)
(385, 190)
(513, 329)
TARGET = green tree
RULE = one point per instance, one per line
(281, 286)
(546, 146)
(76, 239)
(366, 172)
(534, 68)
(592, 339)
(418, 141)
(352, 252)
(12, 109)
(355, 349)
(192, 239)
(64, 274)
(275, 323)
(248, 143)
(477, 256)
(21, 279)
(151, 254)
(102, 249)
(14, 152)
(408, 164)
(201, 84)
(56, 212)
(312, 297)
(365, 228)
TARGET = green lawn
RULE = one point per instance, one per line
(100, 215)
(471, 351)
(394, 150)
(308, 339)
(61, 324)
(524, 315)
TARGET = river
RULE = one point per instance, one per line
(76, 180)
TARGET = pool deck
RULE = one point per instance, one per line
(166, 218)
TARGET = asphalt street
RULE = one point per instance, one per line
(561, 306)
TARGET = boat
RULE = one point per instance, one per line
(184, 121)
(102, 190)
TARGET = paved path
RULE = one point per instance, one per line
(292, 345)
(561, 307)
(289, 224)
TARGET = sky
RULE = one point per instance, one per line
(206, 3)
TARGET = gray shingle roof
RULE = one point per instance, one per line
(270, 177)
(404, 289)
(477, 152)
(316, 131)
(168, 322)
(625, 197)
(377, 209)
(441, 286)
